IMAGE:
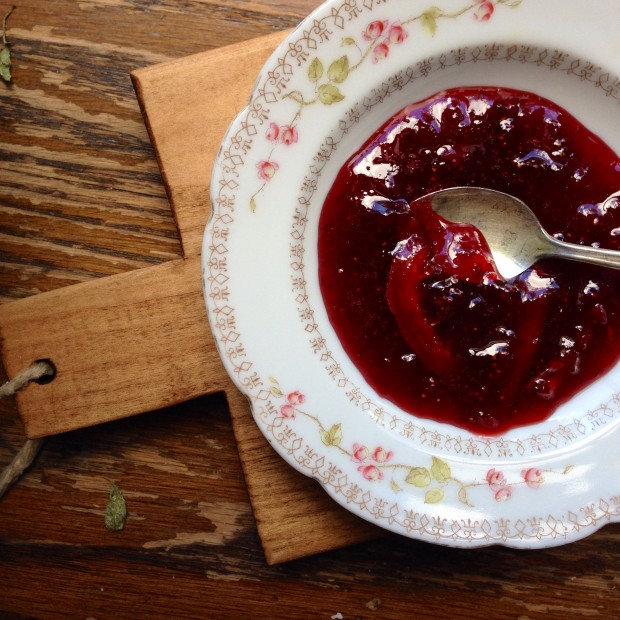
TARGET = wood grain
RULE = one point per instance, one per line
(138, 341)
(294, 516)
(80, 198)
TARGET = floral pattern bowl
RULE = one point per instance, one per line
(346, 69)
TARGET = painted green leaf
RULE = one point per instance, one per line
(339, 70)
(296, 96)
(348, 41)
(394, 486)
(116, 510)
(440, 470)
(419, 477)
(429, 20)
(328, 94)
(333, 436)
(276, 391)
(315, 70)
(434, 496)
(462, 495)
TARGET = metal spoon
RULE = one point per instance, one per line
(515, 237)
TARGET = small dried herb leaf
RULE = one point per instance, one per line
(5, 64)
(5, 52)
(116, 510)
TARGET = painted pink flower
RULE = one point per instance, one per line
(296, 398)
(273, 133)
(289, 135)
(496, 479)
(374, 30)
(484, 11)
(287, 411)
(371, 472)
(266, 169)
(396, 34)
(533, 477)
(503, 493)
(360, 453)
(381, 455)
(380, 52)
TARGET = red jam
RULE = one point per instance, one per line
(416, 301)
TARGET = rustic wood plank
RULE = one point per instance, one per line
(139, 341)
(121, 345)
(294, 515)
(188, 105)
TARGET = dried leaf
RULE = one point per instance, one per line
(374, 604)
(329, 94)
(116, 510)
(419, 477)
(5, 64)
(5, 52)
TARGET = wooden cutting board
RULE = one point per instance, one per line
(140, 341)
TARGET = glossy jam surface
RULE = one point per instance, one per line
(415, 300)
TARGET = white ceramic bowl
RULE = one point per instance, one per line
(319, 96)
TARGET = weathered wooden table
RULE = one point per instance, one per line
(81, 198)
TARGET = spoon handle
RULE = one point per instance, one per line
(587, 254)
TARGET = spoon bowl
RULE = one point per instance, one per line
(512, 231)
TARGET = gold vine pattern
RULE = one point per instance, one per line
(326, 79)
(374, 463)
